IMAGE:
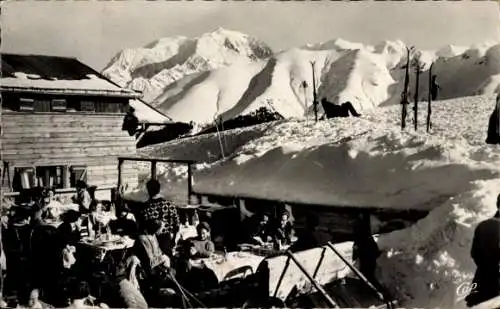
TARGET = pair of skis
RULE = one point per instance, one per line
(404, 96)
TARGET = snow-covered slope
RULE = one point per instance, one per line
(228, 73)
(153, 67)
(369, 162)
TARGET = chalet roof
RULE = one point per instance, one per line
(145, 113)
(50, 74)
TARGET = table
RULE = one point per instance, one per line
(225, 267)
(105, 246)
(187, 231)
(265, 251)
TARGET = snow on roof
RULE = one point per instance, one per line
(36, 72)
(147, 114)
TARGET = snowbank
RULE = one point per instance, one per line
(370, 162)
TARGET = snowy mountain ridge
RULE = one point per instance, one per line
(227, 73)
(160, 63)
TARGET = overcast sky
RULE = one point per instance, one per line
(96, 31)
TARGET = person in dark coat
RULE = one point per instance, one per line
(257, 229)
(485, 252)
(158, 208)
(366, 251)
(434, 88)
(123, 225)
(494, 125)
(334, 110)
(130, 122)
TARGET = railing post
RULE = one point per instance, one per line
(153, 169)
(356, 271)
(322, 291)
(190, 182)
(319, 262)
(282, 276)
(120, 165)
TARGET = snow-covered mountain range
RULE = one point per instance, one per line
(227, 73)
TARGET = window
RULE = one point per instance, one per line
(58, 105)
(87, 106)
(50, 176)
(24, 178)
(42, 106)
(78, 173)
(110, 107)
(26, 104)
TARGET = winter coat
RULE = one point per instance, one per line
(494, 125)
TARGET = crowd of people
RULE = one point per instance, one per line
(46, 261)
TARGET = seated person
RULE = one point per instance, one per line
(73, 228)
(333, 110)
(201, 246)
(148, 250)
(97, 218)
(124, 225)
(82, 197)
(80, 297)
(51, 208)
(258, 229)
(283, 232)
(34, 301)
(307, 238)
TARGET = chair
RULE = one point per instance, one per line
(241, 272)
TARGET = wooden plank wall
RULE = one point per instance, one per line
(94, 140)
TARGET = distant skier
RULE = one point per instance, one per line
(486, 254)
(334, 110)
(434, 88)
(494, 125)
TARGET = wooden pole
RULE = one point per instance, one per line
(153, 169)
(315, 98)
(120, 164)
(322, 291)
(429, 99)
(404, 97)
(190, 182)
(415, 107)
(356, 271)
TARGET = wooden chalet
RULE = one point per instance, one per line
(62, 122)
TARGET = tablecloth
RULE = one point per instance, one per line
(234, 260)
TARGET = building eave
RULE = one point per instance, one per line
(69, 91)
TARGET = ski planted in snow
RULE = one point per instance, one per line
(404, 95)
(429, 108)
(415, 106)
(315, 99)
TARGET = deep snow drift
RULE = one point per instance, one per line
(226, 73)
(369, 162)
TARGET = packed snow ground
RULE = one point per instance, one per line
(450, 172)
